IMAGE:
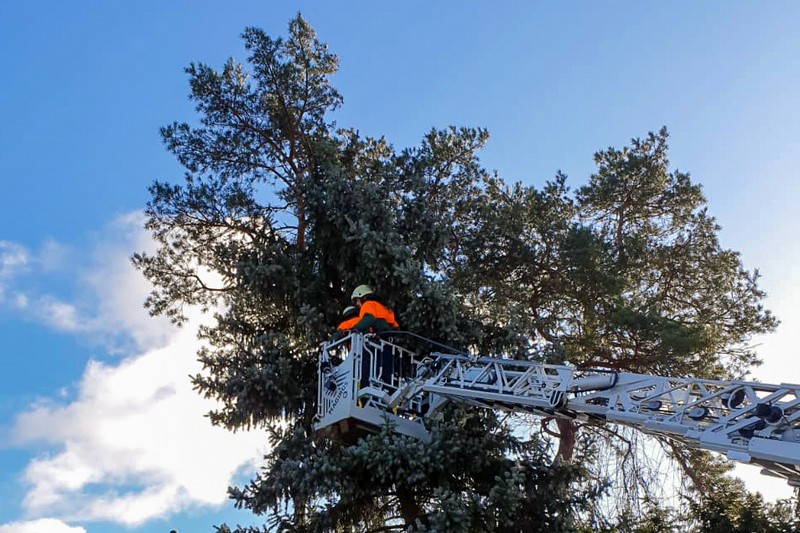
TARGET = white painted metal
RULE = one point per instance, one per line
(750, 422)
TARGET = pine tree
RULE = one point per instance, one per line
(279, 216)
(625, 273)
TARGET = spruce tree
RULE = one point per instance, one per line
(279, 216)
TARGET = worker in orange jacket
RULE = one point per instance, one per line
(349, 318)
(374, 317)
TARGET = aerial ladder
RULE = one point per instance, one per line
(366, 382)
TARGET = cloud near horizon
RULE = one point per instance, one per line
(127, 448)
(45, 525)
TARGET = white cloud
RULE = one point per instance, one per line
(54, 256)
(120, 288)
(13, 259)
(133, 445)
(46, 525)
(57, 314)
(20, 301)
(101, 299)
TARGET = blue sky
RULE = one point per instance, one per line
(98, 427)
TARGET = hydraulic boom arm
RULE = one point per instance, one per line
(375, 381)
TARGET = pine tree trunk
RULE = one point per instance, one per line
(566, 443)
(408, 507)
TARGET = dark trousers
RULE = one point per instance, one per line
(384, 364)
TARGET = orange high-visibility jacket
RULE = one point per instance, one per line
(348, 324)
(375, 316)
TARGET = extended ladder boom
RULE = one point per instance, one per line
(378, 381)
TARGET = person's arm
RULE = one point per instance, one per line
(366, 318)
(365, 323)
(348, 324)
